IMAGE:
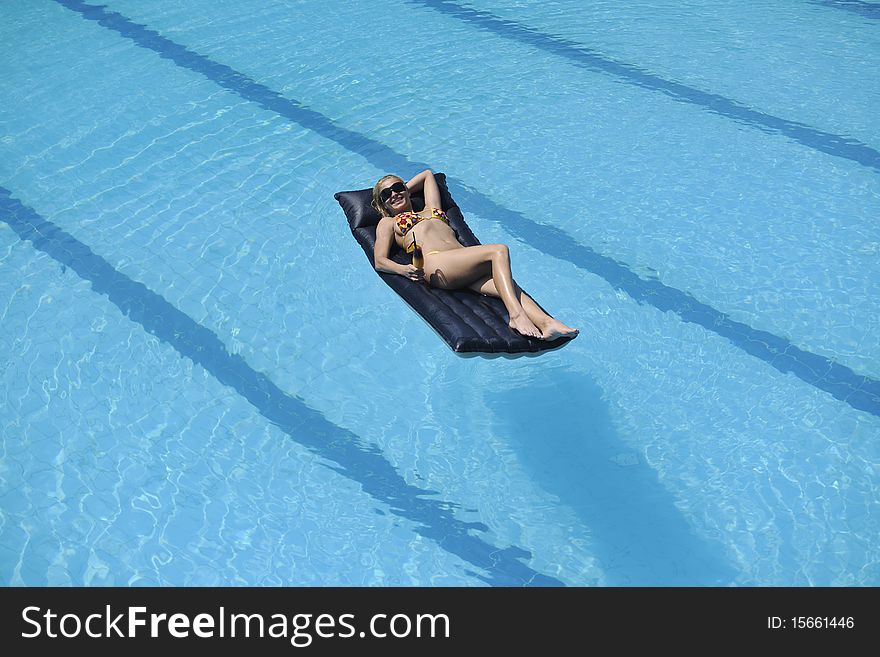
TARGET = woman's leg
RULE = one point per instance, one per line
(458, 268)
(550, 328)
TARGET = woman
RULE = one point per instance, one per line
(484, 268)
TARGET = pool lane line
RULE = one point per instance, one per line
(828, 143)
(860, 392)
(347, 453)
(863, 9)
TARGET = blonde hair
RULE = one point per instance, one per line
(377, 203)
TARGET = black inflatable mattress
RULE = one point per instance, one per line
(470, 323)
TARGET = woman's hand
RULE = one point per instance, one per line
(413, 273)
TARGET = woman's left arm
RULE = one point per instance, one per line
(426, 181)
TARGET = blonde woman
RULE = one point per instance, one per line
(448, 264)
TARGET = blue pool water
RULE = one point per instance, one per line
(204, 383)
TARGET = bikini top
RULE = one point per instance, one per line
(406, 220)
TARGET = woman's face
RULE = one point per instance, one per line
(398, 201)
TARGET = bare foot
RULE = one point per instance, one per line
(522, 324)
(556, 329)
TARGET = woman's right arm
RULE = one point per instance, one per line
(384, 240)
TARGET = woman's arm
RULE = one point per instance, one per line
(384, 240)
(426, 181)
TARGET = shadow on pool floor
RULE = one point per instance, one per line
(562, 433)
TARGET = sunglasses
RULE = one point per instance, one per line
(385, 194)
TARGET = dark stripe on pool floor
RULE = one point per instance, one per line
(831, 144)
(860, 392)
(864, 9)
(349, 456)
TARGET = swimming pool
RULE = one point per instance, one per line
(205, 383)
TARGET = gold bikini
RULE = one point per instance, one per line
(406, 221)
